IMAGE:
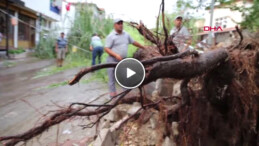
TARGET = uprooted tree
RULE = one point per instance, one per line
(223, 111)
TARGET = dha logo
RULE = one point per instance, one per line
(208, 28)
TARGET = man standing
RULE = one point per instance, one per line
(181, 36)
(117, 47)
(61, 49)
(97, 47)
(182, 40)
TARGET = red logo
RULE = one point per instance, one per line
(208, 28)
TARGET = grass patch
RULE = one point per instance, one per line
(82, 81)
(54, 85)
(70, 63)
(100, 75)
(8, 64)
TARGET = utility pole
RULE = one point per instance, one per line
(211, 20)
(7, 28)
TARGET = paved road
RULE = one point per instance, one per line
(23, 100)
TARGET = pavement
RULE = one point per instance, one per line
(24, 101)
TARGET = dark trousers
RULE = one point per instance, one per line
(97, 52)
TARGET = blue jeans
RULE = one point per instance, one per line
(97, 52)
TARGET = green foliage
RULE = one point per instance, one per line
(136, 36)
(46, 46)
(54, 85)
(85, 24)
(16, 51)
(70, 62)
(188, 4)
(251, 20)
(250, 14)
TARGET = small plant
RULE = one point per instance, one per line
(16, 51)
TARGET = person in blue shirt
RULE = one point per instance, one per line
(61, 49)
(96, 47)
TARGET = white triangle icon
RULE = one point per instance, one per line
(130, 72)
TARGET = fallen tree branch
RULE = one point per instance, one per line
(185, 93)
(164, 27)
(146, 33)
(58, 118)
(241, 38)
(168, 58)
(187, 68)
(146, 62)
(157, 27)
(90, 69)
(240, 34)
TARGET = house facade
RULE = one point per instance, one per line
(22, 21)
(26, 20)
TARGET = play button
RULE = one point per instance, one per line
(129, 73)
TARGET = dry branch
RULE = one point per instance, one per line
(164, 27)
(59, 117)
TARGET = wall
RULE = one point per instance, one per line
(232, 17)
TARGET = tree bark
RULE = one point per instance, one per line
(187, 67)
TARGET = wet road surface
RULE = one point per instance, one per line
(23, 100)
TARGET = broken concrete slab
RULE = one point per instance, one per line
(176, 88)
(168, 142)
(135, 107)
(105, 124)
(104, 138)
(175, 128)
(112, 116)
(115, 126)
(153, 122)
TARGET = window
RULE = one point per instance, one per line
(24, 27)
(3, 24)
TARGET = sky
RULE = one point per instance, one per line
(134, 10)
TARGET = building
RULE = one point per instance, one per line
(27, 19)
(24, 20)
(70, 10)
(225, 18)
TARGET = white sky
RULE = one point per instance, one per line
(134, 10)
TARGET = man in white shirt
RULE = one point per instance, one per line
(181, 36)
